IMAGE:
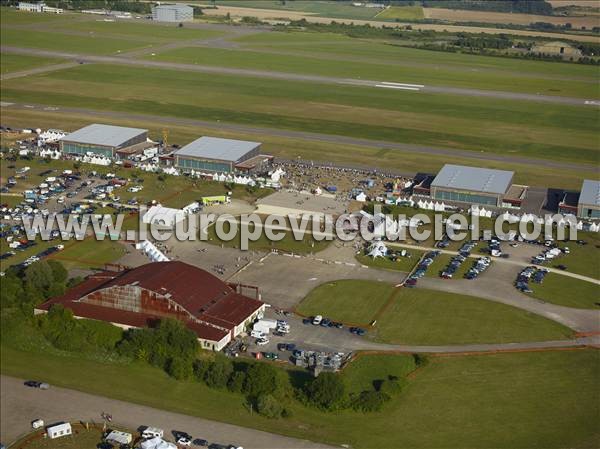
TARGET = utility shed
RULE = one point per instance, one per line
(59, 430)
(472, 185)
(215, 154)
(589, 200)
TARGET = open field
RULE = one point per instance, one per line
(427, 317)
(547, 399)
(366, 368)
(517, 128)
(356, 49)
(89, 253)
(274, 14)
(354, 302)
(321, 8)
(583, 259)
(336, 67)
(67, 43)
(16, 63)
(435, 317)
(401, 13)
(566, 291)
(455, 15)
(290, 147)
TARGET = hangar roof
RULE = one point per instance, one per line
(202, 294)
(473, 179)
(590, 193)
(105, 135)
(216, 148)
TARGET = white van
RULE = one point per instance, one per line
(152, 432)
(257, 333)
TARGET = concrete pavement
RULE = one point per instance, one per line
(20, 405)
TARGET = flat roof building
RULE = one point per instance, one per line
(215, 155)
(588, 205)
(472, 185)
(173, 13)
(104, 140)
(216, 311)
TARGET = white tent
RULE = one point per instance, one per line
(166, 216)
(151, 251)
(362, 197)
(157, 443)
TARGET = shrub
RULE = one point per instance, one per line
(327, 391)
(218, 372)
(236, 382)
(180, 368)
(268, 406)
(261, 379)
(370, 401)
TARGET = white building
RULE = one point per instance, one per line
(173, 13)
(38, 7)
(59, 430)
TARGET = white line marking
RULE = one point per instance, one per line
(402, 84)
(397, 87)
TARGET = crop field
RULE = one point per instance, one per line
(454, 15)
(16, 63)
(547, 399)
(317, 8)
(402, 13)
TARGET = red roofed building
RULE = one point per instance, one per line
(137, 297)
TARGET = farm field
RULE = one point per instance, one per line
(323, 8)
(547, 399)
(517, 129)
(349, 301)
(335, 67)
(401, 13)
(16, 63)
(291, 147)
(420, 316)
(454, 15)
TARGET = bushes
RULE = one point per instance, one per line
(218, 372)
(261, 379)
(269, 406)
(370, 401)
(327, 391)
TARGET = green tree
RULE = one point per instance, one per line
(261, 379)
(370, 401)
(327, 391)
(11, 290)
(268, 406)
(218, 372)
(236, 382)
(180, 368)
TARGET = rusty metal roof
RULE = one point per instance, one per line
(203, 295)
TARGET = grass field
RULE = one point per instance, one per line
(402, 13)
(518, 129)
(66, 42)
(366, 368)
(350, 301)
(546, 399)
(382, 71)
(427, 317)
(566, 291)
(16, 63)
(420, 316)
(583, 259)
(89, 253)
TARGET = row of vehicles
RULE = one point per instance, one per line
(478, 267)
(533, 274)
(422, 268)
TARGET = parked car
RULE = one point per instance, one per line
(37, 384)
(262, 341)
(317, 320)
(184, 440)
